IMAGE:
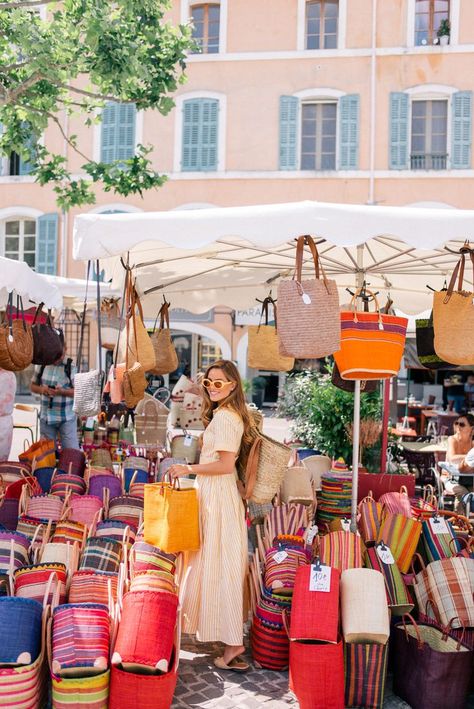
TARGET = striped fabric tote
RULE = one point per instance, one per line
(128, 509)
(93, 587)
(80, 639)
(401, 535)
(64, 483)
(68, 531)
(101, 554)
(14, 551)
(78, 692)
(439, 539)
(144, 557)
(365, 670)
(341, 550)
(153, 581)
(381, 559)
(281, 564)
(370, 514)
(32, 581)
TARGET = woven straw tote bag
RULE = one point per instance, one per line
(364, 609)
(16, 340)
(266, 467)
(135, 344)
(166, 359)
(263, 348)
(308, 310)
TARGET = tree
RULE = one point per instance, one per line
(84, 55)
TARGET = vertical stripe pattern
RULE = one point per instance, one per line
(365, 666)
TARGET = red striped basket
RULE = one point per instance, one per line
(80, 639)
(270, 646)
(68, 482)
(84, 509)
(68, 531)
(93, 587)
(32, 581)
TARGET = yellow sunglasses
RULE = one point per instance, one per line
(215, 384)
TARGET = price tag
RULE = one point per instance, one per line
(346, 525)
(306, 299)
(384, 554)
(311, 533)
(320, 579)
(90, 423)
(438, 525)
(280, 556)
(188, 441)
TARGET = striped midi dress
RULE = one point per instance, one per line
(214, 595)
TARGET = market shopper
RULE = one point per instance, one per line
(7, 400)
(214, 595)
(55, 384)
(459, 458)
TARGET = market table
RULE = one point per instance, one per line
(404, 432)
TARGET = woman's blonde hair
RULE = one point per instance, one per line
(235, 401)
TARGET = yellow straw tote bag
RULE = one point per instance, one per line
(263, 351)
(308, 310)
(453, 318)
(171, 517)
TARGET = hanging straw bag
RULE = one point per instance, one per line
(263, 350)
(183, 385)
(364, 610)
(166, 359)
(135, 343)
(151, 417)
(453, 317)
(372, 344)
(171, 517)
(266, 467)
(16, 341)
(308, 311)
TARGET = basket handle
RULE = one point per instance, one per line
(415, 625)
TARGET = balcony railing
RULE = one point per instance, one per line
(428, 161)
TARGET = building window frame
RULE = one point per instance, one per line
(186, 14)
(318, 96)
(206, 8)
(221, 128)
(454, 19)
(301, 27)
(22, 217)
(432, 92)
(427, 158)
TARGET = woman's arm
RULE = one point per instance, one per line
(224, 466)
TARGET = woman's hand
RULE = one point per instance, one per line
(179, 470)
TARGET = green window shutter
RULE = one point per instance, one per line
(398, 158)
(349, 132)
(117, 140)
(461, 130)
(47, 244)
(200, 135)
(288, 132)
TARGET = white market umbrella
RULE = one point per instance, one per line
(231, 255)
(18, 277)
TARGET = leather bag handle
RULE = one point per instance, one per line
(251, 469)
(265, 308)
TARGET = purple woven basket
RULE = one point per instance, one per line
(9, 513)
(98, 483)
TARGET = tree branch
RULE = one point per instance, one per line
(91, 94)
(24, 3)
(11, 96)
(58, 123)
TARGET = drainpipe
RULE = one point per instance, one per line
(64, 214)
(373, 102)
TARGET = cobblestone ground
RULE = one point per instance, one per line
(200, 684)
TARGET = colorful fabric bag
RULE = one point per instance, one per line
(14, 550)
(34, 582)
(67, 531)
(381, 559)
(79, 692)
(397, 502)
(308, 310)
(171, 517)
(341, 550)
(153, 581)
(370, 515)
(270, 646)
(365, 672)
(80, 639)
(99, 483)
(66, 483)
(84, 509)
(146, 557)
(401, 535)
(47, 506)
(450, 589)
(372, 344)
(281, 564)
(72, 460)
(101, 554)
(439, 539)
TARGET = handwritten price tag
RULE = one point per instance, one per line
(384, 554)
(320, 579)
(438, 525)
(346, 525)
(280, 556)
(312, 532)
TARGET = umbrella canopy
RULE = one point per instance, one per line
(231, 255)
(17, 276)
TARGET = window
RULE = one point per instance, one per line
(321, 24)
(318, 136)
(428, 16)
(200, 135)
(117, 141)
(206, 26)
(429, 135)
(20, 240)
(208, 353)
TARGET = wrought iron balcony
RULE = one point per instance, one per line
(428, 161)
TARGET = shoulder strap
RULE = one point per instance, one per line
(251, 469)
(40, 375)
(68, 370)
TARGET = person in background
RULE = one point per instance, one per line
(469, 391)
(458, 459)
(7, 400)
(55, 384)
(454, 388)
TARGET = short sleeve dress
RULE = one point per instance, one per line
(214, 596)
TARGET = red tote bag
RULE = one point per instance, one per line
(317, 674)
(315, 606)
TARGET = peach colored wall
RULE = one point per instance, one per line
(466, 29)
(391, 23)
(359, 23)
(266, 25)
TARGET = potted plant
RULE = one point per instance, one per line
(444, 31)
(258, 391)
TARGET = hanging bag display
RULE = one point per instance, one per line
(135, 343)
(453, 317)
(372, 344)
(171, 517)
(16, 340)
(48, 341)
(88, 385)
(425, 344)
(263, 351)
(308, 311)
(166, 359)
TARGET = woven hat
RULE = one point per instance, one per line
(339, 466)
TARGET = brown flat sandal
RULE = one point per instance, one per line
(237, 664)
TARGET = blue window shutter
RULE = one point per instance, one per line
(47, 244)
(200, 135)
(461, 130)
(349, 132)
(125, 137)
(398, 159)
(108, 132)
(288, 132)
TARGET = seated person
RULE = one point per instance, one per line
(459, 459)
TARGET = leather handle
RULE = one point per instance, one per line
(264, 312)
(251, 469)
(300, 244)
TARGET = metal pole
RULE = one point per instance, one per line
(355, 455)
(386, 409)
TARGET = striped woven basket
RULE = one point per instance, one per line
(80, 640)
(93, 587)
(128, 509)
(84, 509)
(101, 554)
(144, 557)
(68, 531)
(115, 529)
(32, 581)
(87, 692)
(68, 482)
(270, 646)
(342, 550)
(46, 506)
(153, 581)
(14, 550)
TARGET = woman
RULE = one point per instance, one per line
(214, 596)
(459, 445)
(7, 400)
